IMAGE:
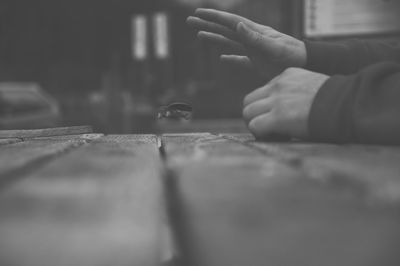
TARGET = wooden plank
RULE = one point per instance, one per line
(242, 137)
(8, 141)
(193, 147)
(232, 209)
(214, 126)
(18, 158)
(99, 205)
(371, 169)
(88, 137)
(45, 132)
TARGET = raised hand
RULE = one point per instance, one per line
(282, 107)
(247, 43)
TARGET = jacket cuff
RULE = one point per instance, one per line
(324, 57)
(330, 119)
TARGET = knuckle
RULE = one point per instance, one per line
(258, 38)
(293, 70)
(279, 118)
(274, 123)
(277, 86)
(276, 116)
(269, 88)
(279, 109)
(253, 126)
(246, 113)
(273, 91)
(278, 101)
(258, 127)
(288, 70)
(268, 28)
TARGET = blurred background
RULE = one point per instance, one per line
(112, 63)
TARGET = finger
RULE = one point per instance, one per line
(241, 61)
(257, 108)
(226, 44)
(261, 93)
(203, 25)
(224, 18)
(256, 95)
(263, 125)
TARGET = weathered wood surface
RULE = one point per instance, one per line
(95, 200)
(8, 141)
(45, 132)
(87, 137)
(26, 155)
(99, 204)
(371, 170)
(235, 202)
(181, 148)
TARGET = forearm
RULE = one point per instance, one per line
(349, 56)
(363, 107)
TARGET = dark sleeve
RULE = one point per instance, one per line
(349, 56)
(363, 107)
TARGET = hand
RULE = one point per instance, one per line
(247, 43)
(282, 106)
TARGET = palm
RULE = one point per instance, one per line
(271, 59)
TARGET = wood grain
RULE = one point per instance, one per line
(233, 207)
(88, 137)
(182, 148)
(8, 141)
(17, 158)
(45, 132)
(374, 170)
(97, 205)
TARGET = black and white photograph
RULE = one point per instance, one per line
(199, 132)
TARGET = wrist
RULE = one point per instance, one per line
(302, 55)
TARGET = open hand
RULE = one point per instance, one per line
(247, 43)
(282, 106)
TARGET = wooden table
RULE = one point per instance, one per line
(209, 200)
